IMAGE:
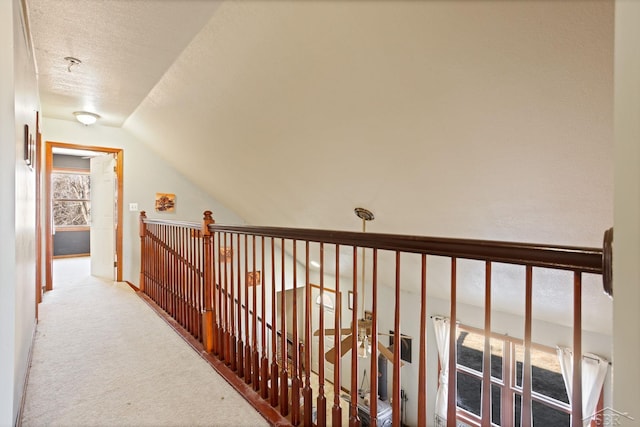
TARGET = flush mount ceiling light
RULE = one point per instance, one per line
(71, 61)
(85, 117)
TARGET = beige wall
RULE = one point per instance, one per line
(626, 271)
(17, 212)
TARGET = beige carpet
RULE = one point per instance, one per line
(102, 357)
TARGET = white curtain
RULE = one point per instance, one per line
(594, 370)
(441, 326)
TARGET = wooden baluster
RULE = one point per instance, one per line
(144, 251)
(179, 279)
(295, 381)
(336, 411)
(183, 257)
(152, 265)
(226, 305)
(486, 361)
(526, 414)
(173, 282)
(451, 386)
(198, 280)
(395, 396)
(236, 345)
(254, 319)
(264, 373)
(158, 266)
(208, 266)
(284, 376)
(274, 330)
(183, 279)
(193, 283)
(373, 378)
(163, 269)
(307, 392)
(354, 420)
(215, 292)
(422, 363)
(247, 357)
(217, 297)
(187, 272)
(322, 400)
(576, 395)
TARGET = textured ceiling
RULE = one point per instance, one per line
(125, 48)
(485, 119)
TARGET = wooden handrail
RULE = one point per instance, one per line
(574, 258)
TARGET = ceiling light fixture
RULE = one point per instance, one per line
(364, 347)
(72, 61)
(85, 117)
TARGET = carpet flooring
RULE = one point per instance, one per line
(102, 357)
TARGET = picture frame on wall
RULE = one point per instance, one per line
(27, 147)
(165, 202)
(226, 254)
(405, 346)
(253, 278)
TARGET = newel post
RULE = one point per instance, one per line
(210, 332)
(143, 254)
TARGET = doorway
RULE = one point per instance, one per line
(112, 253)
(329, 301)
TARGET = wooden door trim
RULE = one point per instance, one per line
(119, 153)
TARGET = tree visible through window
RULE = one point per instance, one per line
(71, 199)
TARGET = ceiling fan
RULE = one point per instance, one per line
(362, 342)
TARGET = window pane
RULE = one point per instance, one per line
(546, 377)
(496, 393)
(544, 415)
(469, 350)
(517, 409)
(519, 358)
(469, 393)
(71, 213)
(70, 186)
(496, 358)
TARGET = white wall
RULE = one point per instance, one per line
(7, 217)
(18, 87)
(626, 271)
(144, 175)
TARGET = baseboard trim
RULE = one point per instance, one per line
(132, 286)
(269, 413)
(18, 420)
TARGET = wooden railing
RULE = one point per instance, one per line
(241, 290)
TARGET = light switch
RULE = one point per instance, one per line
(133, 207)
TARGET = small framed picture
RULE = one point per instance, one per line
(350, 300)
(253, 278)
(165, 202)
(27, 146)
(226, 254)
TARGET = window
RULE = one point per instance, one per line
(550, 403)
(71, 199)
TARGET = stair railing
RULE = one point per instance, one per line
(244, 292)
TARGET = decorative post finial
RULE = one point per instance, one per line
(206, 220)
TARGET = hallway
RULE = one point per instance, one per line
(102, 357)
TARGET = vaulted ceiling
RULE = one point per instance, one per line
(485, 119)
